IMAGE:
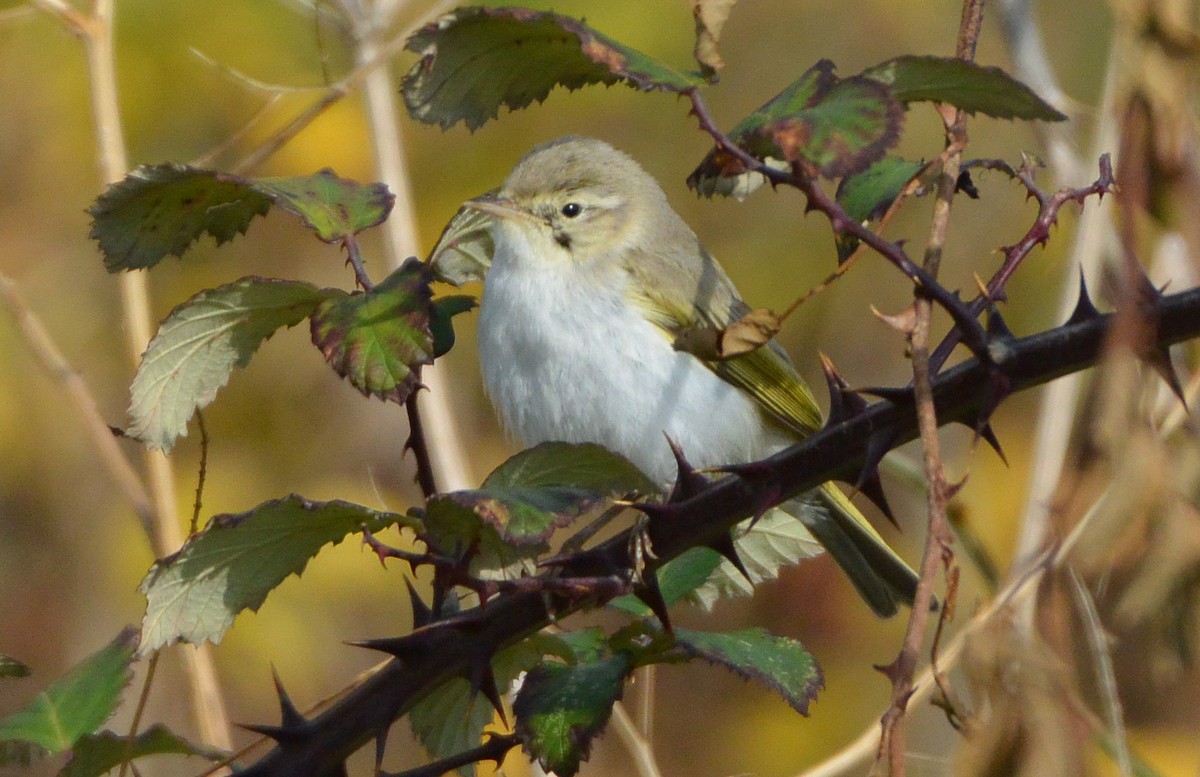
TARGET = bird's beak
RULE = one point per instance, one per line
(500, 207)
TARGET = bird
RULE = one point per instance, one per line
(593, 279)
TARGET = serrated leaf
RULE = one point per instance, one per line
(777, 540)
(332, 207)
(561, 708)
(77, 703)
(966, 85)
(835, 126)
(585, 465)
(475, 60)
(96, 754)
(779, 663)
(866, 196)
(584, 644)
(450, 719)
(199, 344)
(521, 516)
(160, 210)
(710, 17)
(676, 579)
(464, 250)
(11, 667)
(194, 594)
(505, 524)
(377, 339)
(441, 320)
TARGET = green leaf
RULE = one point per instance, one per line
(464, 250)
(332, 207)
(96, 754)
(200, 343)
(544, 488)
(77, 703)
(506, 522)
(561, 708)
(522, 516)
(779, 663)
(11, 667)
(585, 465)
(676, 579)
(584, 644)
(475, 60)
(377, 339)
(973, 88)
(777, 540)
(160, 210)
(441, 324)
(194, 594)
(866, 196)
(450, 719)
(836, 126)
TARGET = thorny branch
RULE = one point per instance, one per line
(1049, 206)
(843, 224)
(450, 647)
(939, 538)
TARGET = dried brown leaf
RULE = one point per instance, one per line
(710, 16)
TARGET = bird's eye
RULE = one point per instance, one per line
(572, 209)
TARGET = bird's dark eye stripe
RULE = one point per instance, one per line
(572, 209)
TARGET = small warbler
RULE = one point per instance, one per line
(593, 279)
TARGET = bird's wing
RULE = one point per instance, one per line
(766, 373)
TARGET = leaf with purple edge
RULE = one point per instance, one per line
(835, 126)
(475, 60)
(779, 663)
(158, 211)
(561, 708)
(194, 594)
(332, 207)
(377, 339)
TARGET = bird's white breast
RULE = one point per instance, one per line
(566, 356)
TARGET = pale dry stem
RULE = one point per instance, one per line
(96, 31)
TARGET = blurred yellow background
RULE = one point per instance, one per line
(71, 551)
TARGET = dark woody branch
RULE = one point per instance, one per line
(462, 646)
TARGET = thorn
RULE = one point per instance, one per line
(290, 716)
(651, 595)
(688, 482)
(870, 485)
(483, 680)
(904, 322)
(407, 648)
(878, 444)
(380, 745)
(1159, 358)
(281, 734)
(985, 431)
(952, 489)
(422, 615)
(723, 544)
(997, 329)
(890, 671)
(1085, 310)
(843, 403)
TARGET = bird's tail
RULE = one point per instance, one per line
(882, 578)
